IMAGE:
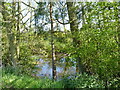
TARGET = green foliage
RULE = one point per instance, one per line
(23, 81)
(86, 81)
(11, 80)
(26, 62)
(82, 81)
(97, 44)
(114, 83)
(25, 65)
(99, 50)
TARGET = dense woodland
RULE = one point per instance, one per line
(83, 35)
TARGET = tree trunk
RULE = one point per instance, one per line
(52, 45)
(9, 24)
(30, 14)
(18, 32)
(74, 31)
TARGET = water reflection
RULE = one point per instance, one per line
(46, 69)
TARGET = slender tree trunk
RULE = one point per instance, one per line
(30, 13)
(83, 13)
(52, 45)
(18, 32)
(9, 24)
(74, 31)
(13, 36)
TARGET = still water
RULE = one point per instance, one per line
(46, 69)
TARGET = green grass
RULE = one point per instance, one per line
(81, 81)
(13, 81)
(24, 81)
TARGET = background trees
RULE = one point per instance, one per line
(65, 34)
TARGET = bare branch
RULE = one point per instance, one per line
(24, 26)
(62, 22)
(25, 15)
(28, 5)
(36, 1)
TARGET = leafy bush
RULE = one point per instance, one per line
(86, 81)
(26, 62)
(82, 81)
(114, 83)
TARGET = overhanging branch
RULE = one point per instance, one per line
(28, 5)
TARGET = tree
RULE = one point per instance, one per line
(9, 23)
(18, 31)
(52, 45)
(75, 31)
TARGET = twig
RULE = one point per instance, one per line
(28, 5)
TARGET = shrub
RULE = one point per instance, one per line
(82, 81)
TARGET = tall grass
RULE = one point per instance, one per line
(16, 80)
(13, 81)
(24, 81)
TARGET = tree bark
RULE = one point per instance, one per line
(74, 30)
(52, 45)
(11, 39)
(18, 32)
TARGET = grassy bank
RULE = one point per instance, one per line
(24, 81)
